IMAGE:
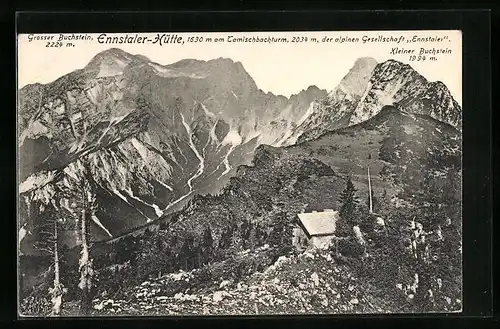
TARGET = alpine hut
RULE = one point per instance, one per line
(315, 229)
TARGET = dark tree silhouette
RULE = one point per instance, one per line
(281, 232)
(227, 234)
(207, 246)
(49, 243)
(127, 250)
(186, 254)
(348, 208)
(246, 230)
(83, 210)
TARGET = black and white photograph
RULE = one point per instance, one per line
(246, 173)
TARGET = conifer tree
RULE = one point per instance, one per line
(385, 204)
(207, 245)
(246, 230)
(348, 211)
(349, 204)
(227, 236)
(281, 231)
(50, 244)
(83, 207)
(186, 254)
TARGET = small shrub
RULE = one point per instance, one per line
(350, 248)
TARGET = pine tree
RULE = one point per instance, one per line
(49, 243)
(86, 262)
(186, 253)
(259, 235)
(83, 208)
(246, 230)
(227, 236)
(207, 245)
(349, 205)
(281, 231)
(385, 205)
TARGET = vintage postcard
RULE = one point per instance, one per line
(239, 173)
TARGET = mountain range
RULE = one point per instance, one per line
(155, 136)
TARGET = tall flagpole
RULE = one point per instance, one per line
(370, 191)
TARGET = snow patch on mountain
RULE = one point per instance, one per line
(34, 130)
(198, 155)
(36, 181)
(159, 68)
(177, 201)
(168, 187)
(124, 198)
(96, 220)
(306, 115)
(22, 233)
(104, 132)
(207, 112)
(140, 148)
(253, 134)
(212, 134)
(235, 139)
(79, 143)
(117, 119)
(168, 73)
(157, 209)
(201, 167)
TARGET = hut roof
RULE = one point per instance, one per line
(319, 223)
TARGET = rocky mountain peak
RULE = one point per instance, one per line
(392, 69)
(112, 62)
(142, 57)
(355, 81)
(364, 62)
(392, 63)
(109, 56)
(368, 87)
(229, 67)
(440, 88)
(311, 92)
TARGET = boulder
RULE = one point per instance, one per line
(224, 283)
(218, 296)
(315, 279)
(308, 255)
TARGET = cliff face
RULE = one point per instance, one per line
(394, 82)
(152, 136)
(403, 151)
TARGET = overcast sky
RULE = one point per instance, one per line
(282, 68)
